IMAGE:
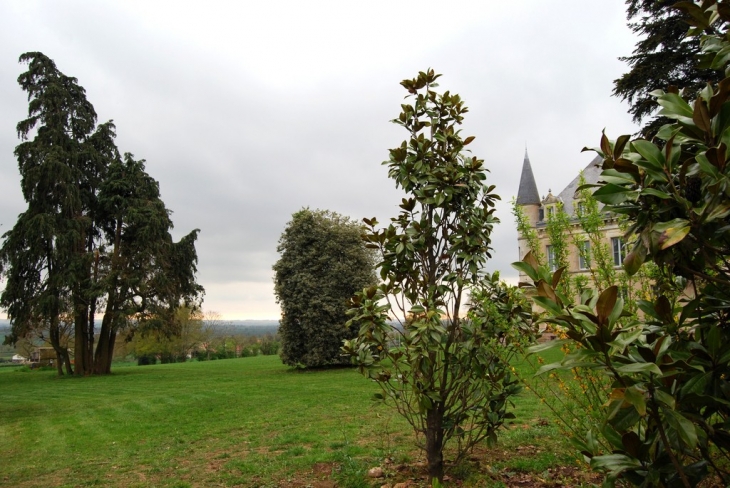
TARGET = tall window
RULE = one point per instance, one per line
(584, 255)
(550, 251)
(619, 250)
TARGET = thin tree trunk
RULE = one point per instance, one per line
(107, 334)
(54, 331)
(83, 343)
(90, 336)
(59, 364)
(110, 354)
(67, 362)
(101, 361)
(81, 330)
(92, 302)
(435, 443)
(62, 356)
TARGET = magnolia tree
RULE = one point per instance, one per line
(446, 371)
(667, 421)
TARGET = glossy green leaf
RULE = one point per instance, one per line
(627, 337)
(616, 177)
(616, 463)
(639, 368)
(651, 153)
(637, 398)
(548, 305)
(546, 346)
(719, 212)
(683, 426)
(721, 58)
(613, 437)
(673, 104)
(651, 170)
(612, 194)
(624, 419)
(706, 166)
(697, 384)
(665, 398)
(656, 193)
(527, 269)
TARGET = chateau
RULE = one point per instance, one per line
(538, 210)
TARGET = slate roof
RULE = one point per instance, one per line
(527, 194)
(591, 173)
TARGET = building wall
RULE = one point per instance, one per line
(610, 230)
(536, 209)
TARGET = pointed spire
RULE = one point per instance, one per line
(527, 194)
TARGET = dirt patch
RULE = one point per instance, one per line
(323, 469)
(317, 477)
(215, 466)
(414, 476)
(553, 477)
(303, 483)
(480, 467)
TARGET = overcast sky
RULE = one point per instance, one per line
(248, 111)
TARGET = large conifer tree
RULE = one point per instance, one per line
(664, 56)
(42, 254)
(60, 258)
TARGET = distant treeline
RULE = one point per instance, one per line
(247, 329)
(250, 323)
(254, 328)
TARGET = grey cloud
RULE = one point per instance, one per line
(241, 134)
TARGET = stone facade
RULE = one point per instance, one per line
(537, 210)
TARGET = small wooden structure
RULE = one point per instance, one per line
(43, 356)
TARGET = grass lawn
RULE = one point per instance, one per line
(247, 422)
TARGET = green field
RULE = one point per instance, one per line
(239, 422)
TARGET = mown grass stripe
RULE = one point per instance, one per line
(243, 422)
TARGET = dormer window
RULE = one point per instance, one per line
(550, 211)
(549, 206)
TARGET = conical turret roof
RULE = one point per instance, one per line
(527, 194)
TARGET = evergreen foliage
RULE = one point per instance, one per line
(446, 371)
(666, 420)
(323, 263)
(664, 56)
(95, 230)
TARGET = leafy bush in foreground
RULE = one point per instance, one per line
(667, 420)
(446, 373)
